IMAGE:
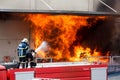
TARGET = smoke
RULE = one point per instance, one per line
(97, 37)
(115, 41)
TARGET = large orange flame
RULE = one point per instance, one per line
(60, 32)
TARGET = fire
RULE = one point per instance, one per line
(60, 33)
(82, 53)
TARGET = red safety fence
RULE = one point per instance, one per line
(62, 72)
(3, 73)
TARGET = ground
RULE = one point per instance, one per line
(114, 76)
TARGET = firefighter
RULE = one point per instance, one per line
(30, 58)
(22, 49)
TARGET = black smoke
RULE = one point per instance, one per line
(99, 36)
(115, 40)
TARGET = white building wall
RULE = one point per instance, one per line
(15, 4)
(79, 5)
(83, 5)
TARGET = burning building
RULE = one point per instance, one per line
(70, 36)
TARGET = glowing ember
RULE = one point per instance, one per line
(60, 32)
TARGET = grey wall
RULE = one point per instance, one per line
(11, 33)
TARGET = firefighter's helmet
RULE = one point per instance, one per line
(25, 40)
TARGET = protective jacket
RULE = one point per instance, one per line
(22, 49)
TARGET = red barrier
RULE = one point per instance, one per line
(78, 72)
(3, 75)
(63, 72)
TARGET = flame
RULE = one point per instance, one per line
(60, 32)
(82, 53)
